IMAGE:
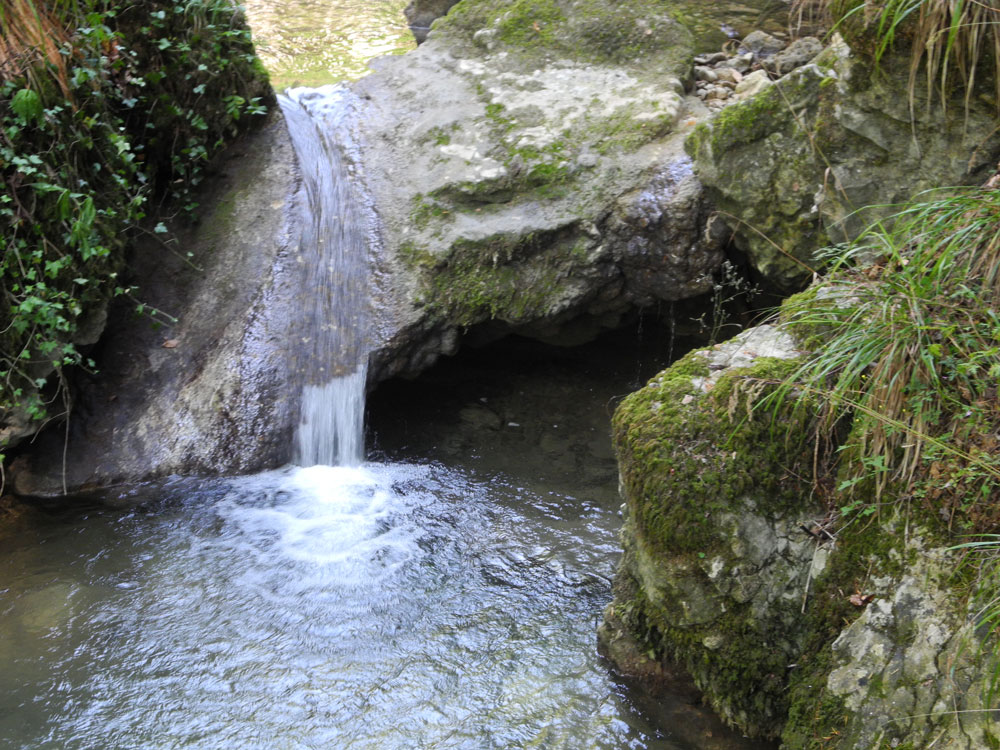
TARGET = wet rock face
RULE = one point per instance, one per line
(524, 179)
(213, 391)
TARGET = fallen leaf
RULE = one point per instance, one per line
(536, 27)
(687, 399)
(171, 343)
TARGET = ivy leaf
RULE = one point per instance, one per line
(27, 105)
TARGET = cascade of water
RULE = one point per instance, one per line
(333, 253)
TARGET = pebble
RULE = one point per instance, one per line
(711, 59)
(703, 73)
(729, 75)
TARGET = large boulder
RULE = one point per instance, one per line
(794, 625)
(716, 563)
(527, 164)
(211, 391)
(800, 165)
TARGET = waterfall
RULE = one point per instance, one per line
(333, 260)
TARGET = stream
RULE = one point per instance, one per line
(439, 589)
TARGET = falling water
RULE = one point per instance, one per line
(333, 255)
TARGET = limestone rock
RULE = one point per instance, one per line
(716, 565)
(213, 391)
(856, 637)
(791, 165)
(761, 45)
(797, 54)
(539, 185)
(529, 172)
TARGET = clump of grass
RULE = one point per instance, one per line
(909, 321)
(951, 40)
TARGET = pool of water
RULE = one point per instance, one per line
(445, 595)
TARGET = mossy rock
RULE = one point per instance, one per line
(714, 558)
(826, 151)
(597, 31)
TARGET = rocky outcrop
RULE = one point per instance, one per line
(529, 171)
(792, 167)
(529, 175)
(212, 391)
(716, 563)
(858, 639)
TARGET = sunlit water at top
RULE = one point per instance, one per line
(314, 42)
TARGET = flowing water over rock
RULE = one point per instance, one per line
(334, 251)
(445, 597)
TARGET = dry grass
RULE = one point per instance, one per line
(912, 348)
(950, 41)
(31, 37)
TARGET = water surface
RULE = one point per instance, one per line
(315, 42)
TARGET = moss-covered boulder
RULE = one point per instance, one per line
(792, 167)
(716, 563)
(527, 164)
(739, 567)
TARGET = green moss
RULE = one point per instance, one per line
(623, 131)
(684, 464)
(530, 22)
(503, 277)
(776, 109)
(425, 209)
(87, 144)
(689, 460)
(438, 136)
(750, 120)
(586, 30)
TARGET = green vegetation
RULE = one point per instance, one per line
(727, 450)
(911, 348)
(585, 30)
(954, 43)
(906, 338)
(498, 278)
(105, 109)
